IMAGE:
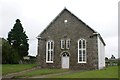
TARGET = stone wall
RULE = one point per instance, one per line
(74, 29)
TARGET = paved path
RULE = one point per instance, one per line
(11, 75)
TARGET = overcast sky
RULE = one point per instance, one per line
(35, 15)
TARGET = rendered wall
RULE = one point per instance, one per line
(101, 54)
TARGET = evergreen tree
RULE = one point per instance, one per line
(18, 39)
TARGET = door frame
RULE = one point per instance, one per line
(66, 53)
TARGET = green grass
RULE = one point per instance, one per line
(119, 72)
(0, 69)
(42, 72)
(110, 72)
(11, 68)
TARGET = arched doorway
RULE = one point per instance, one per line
(65, 60)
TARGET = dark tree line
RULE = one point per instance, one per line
(16, 46)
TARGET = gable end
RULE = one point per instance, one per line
(58, 17)
(77, 19)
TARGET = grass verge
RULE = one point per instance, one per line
(12, 68)
(41, 72)
(110, 72)
(0, 69)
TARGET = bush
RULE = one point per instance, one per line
(9, 55)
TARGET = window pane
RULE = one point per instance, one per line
(51, 45)
(62, 44)
(51, 55)
(80, 58)
(48, 55)
(84, 55)
(83, 43)
(64, 54)
(80, 55)
(83, 58)
(68, 43)
(80, 44)
(48, 45)
(67, 54)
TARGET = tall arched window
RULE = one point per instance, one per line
(49, 51)
(81, 51)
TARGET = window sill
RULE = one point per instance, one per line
(62, 48)
(67, 48)
(82, 62)
(49, 61)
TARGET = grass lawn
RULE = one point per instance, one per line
(110, 72)
(11, 68)
(42, 72)
(0, 69)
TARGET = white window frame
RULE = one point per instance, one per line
(81, 49)
(62, 44)
(51, 50)
(67, 43)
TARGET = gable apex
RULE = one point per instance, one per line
(65, 9)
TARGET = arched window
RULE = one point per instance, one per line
(81, 51)
(49, 51)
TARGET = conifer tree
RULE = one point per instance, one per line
(18, 39)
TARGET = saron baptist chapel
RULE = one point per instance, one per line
(69, 43)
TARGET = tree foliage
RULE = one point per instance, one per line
(112, 57)
(9, 54)
(18, 39)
